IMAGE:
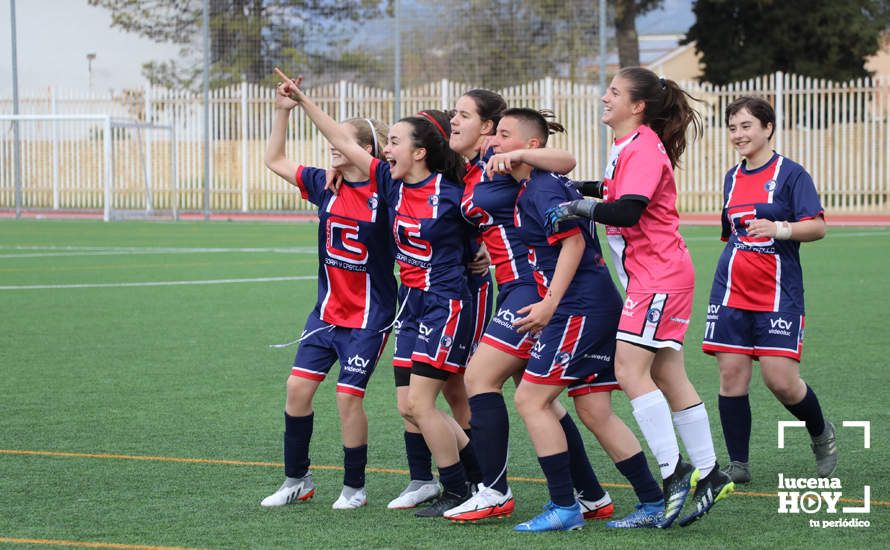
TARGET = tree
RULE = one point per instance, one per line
(740, 39)
(497, 43)
(247, 37)
(626, 12)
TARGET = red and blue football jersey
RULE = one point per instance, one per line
(763, 274)
(430, 234)
(488, 203)
(356, 287)
(591, 291)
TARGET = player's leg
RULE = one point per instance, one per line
(359, 351)
(730, 336)
(486, 373)
(298, 424)
(782, 376)
(533, 402)
(594, 500)
(440, 432)
(622, 446)
(422, 486)
(313, 360)
(735, 412)
(455, 394)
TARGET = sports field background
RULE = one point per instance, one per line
(152, 415)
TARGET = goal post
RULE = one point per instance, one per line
(90, 162)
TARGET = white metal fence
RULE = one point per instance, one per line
(839, 131)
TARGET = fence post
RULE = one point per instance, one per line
(443, 93)
(780, 110)
(244, 146)
(341, 115)
(54, 109)
(149, 175)
(106, 213)
(547, 102)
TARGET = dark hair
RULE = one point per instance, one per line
(668, 111)
(363, 135)
(431, 130)
(489, 105)
(538, 120)
(759, 109)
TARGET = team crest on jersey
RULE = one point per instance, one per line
(433, 200)
(562, 358)
(770, 186)
(653, 315)
(446, 342)
(373, 202)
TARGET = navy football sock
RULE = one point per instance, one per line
(810, 412)
(420, 460)
(297, 433)
(559, 479)
(735, 417)
(583, 477)
(636, 470)
(354, 461)
(471, 464)
(454, 479)
(491, 429)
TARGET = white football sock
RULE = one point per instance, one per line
(654, 418)
(695, 431)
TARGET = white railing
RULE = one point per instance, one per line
(838, 131)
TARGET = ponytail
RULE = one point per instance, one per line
(668, 109)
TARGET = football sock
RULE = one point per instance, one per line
(491, 428)
(636, 470)
(583, 477)
(420, 460)
(695, 431)
(735, 417)
(354, 461)
(810, 412)
(654, 419)
(471, 464)
(454, 479)
(559, 478)
(297, 433)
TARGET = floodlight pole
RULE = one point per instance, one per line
(206, 30)
(17, 140)
(397, 84)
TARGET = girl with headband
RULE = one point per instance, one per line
(420, 179)
(354, 310)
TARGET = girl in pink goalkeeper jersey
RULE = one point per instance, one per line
(649, 116)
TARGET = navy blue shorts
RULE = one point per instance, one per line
(501, 334)
(357, 349)
(754, 333)
(577, 351)
(434, 330)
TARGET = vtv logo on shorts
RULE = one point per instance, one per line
(357, 364)
(812, 495)
(358, 361)
(507, 315)
(780, 326)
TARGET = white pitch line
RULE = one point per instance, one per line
(161, 283)
(59, 251)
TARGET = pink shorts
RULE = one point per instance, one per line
(655, 320)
